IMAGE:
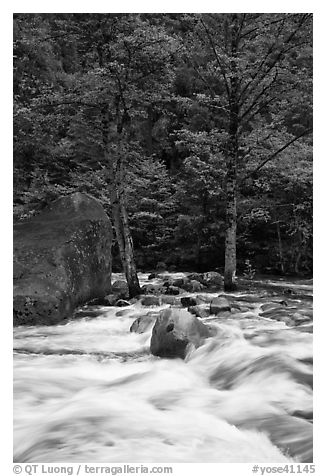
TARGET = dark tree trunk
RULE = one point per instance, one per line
(115, 177)
(230, 265)
(280, 247)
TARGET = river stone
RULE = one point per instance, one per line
(212, 278)
(120, 288)
(200, 310)
(62, 259)
(219, 304)
(188, 301)
(150, 301)
(152, 289)
(172, 300)
(174, 330)
(143, 323)
(172, 290)
(193, 286)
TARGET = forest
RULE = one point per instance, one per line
(194, 131)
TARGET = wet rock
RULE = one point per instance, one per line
(200, 310)
(174, 330)
(62, 259)
(172, 290)
(180, 282)
(152, 289)
(219, 304)
(188, 301)
(203, 298)
(152, 276)
(173, 301)
(110, 300)
(150, 301)
(120, 289)
(123, 312)
(196, 277)
(88, 313)
(143, 323)
(122, 303)
(193, 286)
(213, 279)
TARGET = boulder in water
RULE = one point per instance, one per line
(174, 330)
(213, 279)
(150, 301)
(120, 288)
(188, 301)
(62, 259)
(143, 323)
(219, 304)
(193, 286)
(200, 310)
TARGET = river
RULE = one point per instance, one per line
(89, 390)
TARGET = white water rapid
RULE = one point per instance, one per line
(89, 390)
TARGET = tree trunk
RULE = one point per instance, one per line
(115, 177)
(231, 230)
(280, 248)
(230, 265)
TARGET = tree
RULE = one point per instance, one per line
(120, 71)
(254, 68)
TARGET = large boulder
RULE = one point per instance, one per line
(62, 259)
(174, 330)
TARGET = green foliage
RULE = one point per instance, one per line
(162, 80)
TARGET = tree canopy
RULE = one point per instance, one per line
(193, 130)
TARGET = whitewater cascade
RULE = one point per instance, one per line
(89, 390)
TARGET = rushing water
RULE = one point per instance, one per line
(89, 390)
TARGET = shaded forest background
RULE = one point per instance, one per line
(140, 108)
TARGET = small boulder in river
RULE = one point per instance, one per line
(193, 286)
(219, 304)
(200, 310)
(188, 301)
(62, 258)
(120, 288)
(150, 301)
(174, 330)
(143, 323)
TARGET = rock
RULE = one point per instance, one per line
(180, 282)
(143, 323)
(200, 310)
(174, 330)
(150, 301)
(193, 286)
(203, 298)
(123, 312)
(152, 276)
(120, 288)
(62, 259)
(172, 290)
(87, 313)
(122, 303)
(212, 278)
(173, 301)
(152, 289)
(188, 301)
(219, 304)
(110, 300)
(195, 277)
